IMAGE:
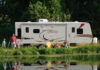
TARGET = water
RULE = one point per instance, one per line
(76, 62)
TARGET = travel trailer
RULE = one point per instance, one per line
(42, 31)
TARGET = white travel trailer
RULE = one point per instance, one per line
(42, 31)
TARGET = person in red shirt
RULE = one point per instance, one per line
(13, 41)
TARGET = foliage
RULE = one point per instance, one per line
(6, 31)
(53, 10)
(37, 11)
(10, 52)
(83, 59)
(63, 50)
(82, 49)
(17, 52)
(29, 51)
(47, 51)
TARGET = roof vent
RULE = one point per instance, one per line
(28, 21)
(43, 20)
(76, 21)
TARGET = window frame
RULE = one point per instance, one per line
(73, 29)
(81, 31)
(27, 29)
(36, 31)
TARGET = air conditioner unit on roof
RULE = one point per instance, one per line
(43, 20)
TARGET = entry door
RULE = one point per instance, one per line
(19, 33)
(71, 36)
(26, 32)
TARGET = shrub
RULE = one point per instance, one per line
(17, 52)
(26, 51)
(34, 52)
(64, 51)
(60, 50)
(50, 51)
(10, 52)
(2, 51)
(47, 51)
(42, 51)
(68, 51)
(83, 49)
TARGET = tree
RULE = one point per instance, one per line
(54, 8)
(14, 9)
(37, 11)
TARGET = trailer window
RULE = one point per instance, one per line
(79, 31)
(36, 30)
(73, 29)
(27, 29)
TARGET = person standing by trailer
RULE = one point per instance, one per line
(13, 41)
(4, 43)
(18, 43)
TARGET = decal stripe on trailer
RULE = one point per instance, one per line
(81, 26)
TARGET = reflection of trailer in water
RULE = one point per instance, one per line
(30, 66)
(39, 32)
(59, 67)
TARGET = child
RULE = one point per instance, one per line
(4, 43)
(66, 44)
(58, 46)
(18, 43)
(48, 44)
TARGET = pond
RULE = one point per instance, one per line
(72, 62)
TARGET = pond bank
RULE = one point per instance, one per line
(77, 58)
(90, 49)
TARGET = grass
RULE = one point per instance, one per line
(80, 49)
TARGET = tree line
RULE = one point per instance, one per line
(53, 10)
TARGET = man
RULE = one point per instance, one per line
(13, 41)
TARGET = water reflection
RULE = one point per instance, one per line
(10, 65)
(5, 66)
(15, 65)
(49, 63)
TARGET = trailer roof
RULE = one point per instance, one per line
(51, 22)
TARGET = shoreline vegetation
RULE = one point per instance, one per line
(83, 59)
(87, 49)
